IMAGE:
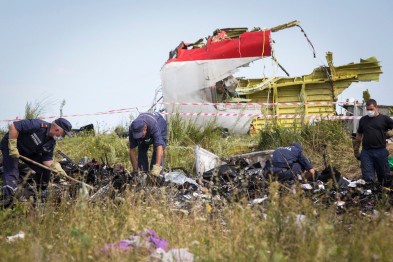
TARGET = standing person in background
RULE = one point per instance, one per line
(35, 139)
(148, 129)
(371, 134)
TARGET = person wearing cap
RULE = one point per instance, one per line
(34, 139)
(148, 129)
(289, 162)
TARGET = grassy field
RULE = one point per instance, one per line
(77, 230)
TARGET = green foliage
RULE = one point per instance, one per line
(330, 133)
(103, 148)
(120, 129)
(322, 132)
(325, 132)
(37, 109)
(185, 133)
(278, 136)
(366, 96)
(63, 102)
(182, 138)
(289, 229)
(2, 133)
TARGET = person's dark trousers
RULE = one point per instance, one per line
(285, 175)
(41, 176)
(10, 174)
(375, 161)
(290, 174)
(143, 161)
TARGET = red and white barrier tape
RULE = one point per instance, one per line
(265, 116)
(109, 112)
(127, 110)
(258, 103)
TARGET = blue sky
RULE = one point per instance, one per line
(102, 55)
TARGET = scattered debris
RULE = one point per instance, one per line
(179, 178)
(230, 179)
(205, 160)
(173, 255)
(300, 219)
(257, 201)
(147, 239)
(84, 129)
(156, 247)
(20, 235)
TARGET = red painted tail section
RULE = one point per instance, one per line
(248, 44)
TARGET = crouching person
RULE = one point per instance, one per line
(288, 163)
(36, 140)
(148, 129)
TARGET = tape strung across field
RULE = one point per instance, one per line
(332, 117)
(258, 103)
(109, 112)
(267, 116)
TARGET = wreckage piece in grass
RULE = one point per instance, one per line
(202, 72)
(87, 129)
(237, 180)
(93, 173)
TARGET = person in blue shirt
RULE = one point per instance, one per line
(148, 129)
(289, 162)
(34, 139)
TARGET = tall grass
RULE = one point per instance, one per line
(104, 148)
(313, 135)
(184, 135)
(329, 133)
(289, 227)
(3, 132)
(235, 232)
(38, 108)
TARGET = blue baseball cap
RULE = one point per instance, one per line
(137, 127)
(65, 125)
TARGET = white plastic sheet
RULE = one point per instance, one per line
(20, 235)
(205, 160)
(179, 178)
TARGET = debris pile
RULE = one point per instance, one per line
(236, 177)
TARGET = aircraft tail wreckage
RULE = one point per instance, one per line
(201, 73)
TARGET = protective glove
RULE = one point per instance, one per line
(56, 167)
(156, 170)
(389, 133)
(356, 148)
(12, 147)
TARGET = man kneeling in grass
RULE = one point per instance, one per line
(288, 163)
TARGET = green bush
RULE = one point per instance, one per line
(313, 135)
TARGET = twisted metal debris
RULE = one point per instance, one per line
(239, 179)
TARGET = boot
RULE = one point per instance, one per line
(44, 196)
(5, 201)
